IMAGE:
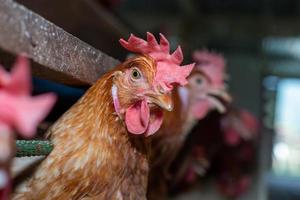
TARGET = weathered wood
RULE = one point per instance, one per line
(86, 21)
(64, 57)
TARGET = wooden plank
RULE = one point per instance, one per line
(83, 20)
(64, 57)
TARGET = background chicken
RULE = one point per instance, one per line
(234, 163)
(200, 149)
(191, 103)
(18, 111)
(99, 149)
(226, 150)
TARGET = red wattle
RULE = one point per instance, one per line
(156, 119)
(139, 120)
(137, 117)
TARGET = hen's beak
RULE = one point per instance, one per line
(162, 100)
(219, 98)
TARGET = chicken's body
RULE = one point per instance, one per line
(88, 136)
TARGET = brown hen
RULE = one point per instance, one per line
(100, 151)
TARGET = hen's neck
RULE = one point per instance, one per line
(92, 117)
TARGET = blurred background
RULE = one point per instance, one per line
(260, 40)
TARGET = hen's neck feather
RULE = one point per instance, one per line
(92, 117)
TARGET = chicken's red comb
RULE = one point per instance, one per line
(212, 65)
(168, 69)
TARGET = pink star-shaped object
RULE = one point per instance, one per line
(18, 109)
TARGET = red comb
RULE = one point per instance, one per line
(168, 69)
(212, 65)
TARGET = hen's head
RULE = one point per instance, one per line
(142, 84)
(206, 88)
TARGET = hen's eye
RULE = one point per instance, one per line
(199, 81)
(135, 74)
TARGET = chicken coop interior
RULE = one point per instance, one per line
(149, 99)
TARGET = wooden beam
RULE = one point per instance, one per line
(60, 56)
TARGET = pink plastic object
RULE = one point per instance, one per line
(18, 110)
